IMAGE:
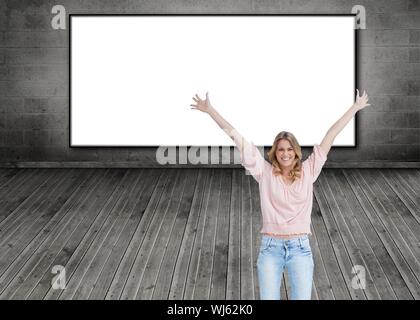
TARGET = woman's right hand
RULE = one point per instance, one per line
(202, 105)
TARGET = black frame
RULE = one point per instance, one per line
(356, 43)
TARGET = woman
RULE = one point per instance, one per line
(286, 196)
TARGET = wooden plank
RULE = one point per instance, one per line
(412, 176)
(172, 252)
(19, 265)
(373, 229)
(94, 212)
(152, 265)
(205, 266)
(247, 279)
(58, 248)
(122, 276)
(6, 175)
(407, 192)
(125, 212)
(376, 218)
(153, 164)
(149, 183)
(401, 223)
(219, 275)
(377, 285)
(314, 293)
(39, 265)
(373, 209)
(286, 290)
(21, 207)
(179, 279)
(11, 186)
(326, 236)
(321, 281)
(26, 268)
(90, 266)
(17, 190)
(324, 252)
(358, 250)
(198, 244)
(233, 279)
(136, 273)
(402, 204)
(97, 231)
(341, 239)
(256, 218)
(35, 213)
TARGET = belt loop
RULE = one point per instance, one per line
(300, 242)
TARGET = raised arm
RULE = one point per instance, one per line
(359, 104)
(251, 158)
(205, 106)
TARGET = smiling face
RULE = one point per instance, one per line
(285, 153)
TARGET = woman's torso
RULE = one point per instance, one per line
(288, 180)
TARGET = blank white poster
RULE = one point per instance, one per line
(133, 78)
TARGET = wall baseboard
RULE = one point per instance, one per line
(135, 164)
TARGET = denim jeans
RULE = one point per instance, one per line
(296, 256)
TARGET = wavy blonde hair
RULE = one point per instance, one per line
(297, 162)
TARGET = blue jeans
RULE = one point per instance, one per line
(295, 255)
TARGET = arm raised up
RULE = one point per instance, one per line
(359, 104)
(206, 107)
(251, 158)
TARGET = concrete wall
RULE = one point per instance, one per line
(34, 117)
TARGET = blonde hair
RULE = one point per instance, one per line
(297, 162)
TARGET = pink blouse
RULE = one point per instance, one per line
(286, 209)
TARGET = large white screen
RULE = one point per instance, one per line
(133, 78)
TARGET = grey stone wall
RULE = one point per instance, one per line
(34, 117)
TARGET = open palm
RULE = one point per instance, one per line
(202, 105)
(361, 101)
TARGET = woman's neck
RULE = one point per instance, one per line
(287, 173)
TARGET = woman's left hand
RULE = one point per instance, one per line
(361, 102)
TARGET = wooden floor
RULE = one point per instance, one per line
(194, 234)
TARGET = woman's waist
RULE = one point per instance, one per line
(285, 236)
